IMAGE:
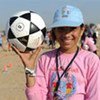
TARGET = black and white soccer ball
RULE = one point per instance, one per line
(26, 30)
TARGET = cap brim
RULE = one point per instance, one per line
(62, 23)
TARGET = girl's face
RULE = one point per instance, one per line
(68, 37)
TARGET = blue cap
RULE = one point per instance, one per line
(67, 16)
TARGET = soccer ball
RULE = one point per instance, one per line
(26, 30)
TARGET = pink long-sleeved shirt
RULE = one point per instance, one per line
(81, 83)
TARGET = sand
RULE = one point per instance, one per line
(12, 77)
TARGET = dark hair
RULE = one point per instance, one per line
(82, 25)
(53, 34)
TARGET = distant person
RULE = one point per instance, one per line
(87, 41)
(65, 73)
(89, 45)
(93, 32)
(0, 40)
(95, 36)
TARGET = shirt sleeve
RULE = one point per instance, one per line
(93, 80)
(39, 91)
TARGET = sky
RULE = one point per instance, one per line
(46, 9)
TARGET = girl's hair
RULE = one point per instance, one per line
(53, 33)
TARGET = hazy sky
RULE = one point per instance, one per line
(46, 8)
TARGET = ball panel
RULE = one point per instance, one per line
(20, 27)
(33, 28)
(10, 34)
(12, 19)
(37, 20)
(26, 16)
(44, 31)
(18, 44)
(35, 40)
(23, 40)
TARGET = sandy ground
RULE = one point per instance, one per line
(12, 78)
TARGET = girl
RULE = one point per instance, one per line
(66, 73)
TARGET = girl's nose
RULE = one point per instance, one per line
(66, 35)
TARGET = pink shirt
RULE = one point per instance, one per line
(82, 82)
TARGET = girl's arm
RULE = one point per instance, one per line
(93, 80)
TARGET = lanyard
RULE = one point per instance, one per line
(59, 77)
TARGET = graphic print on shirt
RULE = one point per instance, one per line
(67, 85)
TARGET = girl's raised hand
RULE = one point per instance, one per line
(28, 58)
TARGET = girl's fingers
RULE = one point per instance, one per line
(28, 58)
